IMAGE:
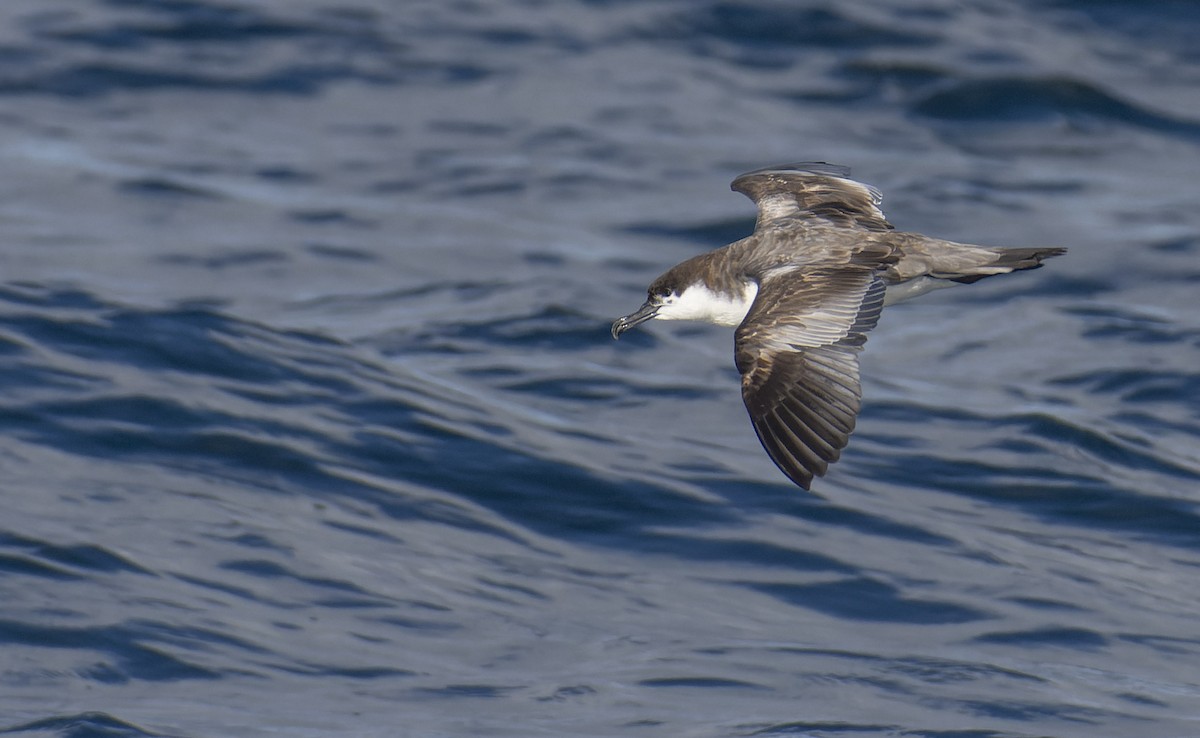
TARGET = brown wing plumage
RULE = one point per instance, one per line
(815, 191)
(797, 351)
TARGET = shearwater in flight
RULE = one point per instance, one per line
(803, 290)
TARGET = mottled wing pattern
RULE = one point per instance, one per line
(797, 351)
(813, 190)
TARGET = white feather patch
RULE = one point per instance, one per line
(700, 303)
(913, 288)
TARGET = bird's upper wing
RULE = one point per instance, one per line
(797, 351)
(813, 190)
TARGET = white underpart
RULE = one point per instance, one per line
(912, 288)
(700, 303)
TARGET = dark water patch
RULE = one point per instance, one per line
(471, 691)
(1182, 245)
(1171, 645)
(572, 692)
(1113, 322)
(264, 569)
(968, 733)
(609, 390)
(550, 497)
(193, 341)
(256, 541)
(84, 557)
(369, 673)
(222, 355)
(877, 75)
(507, 36)
(284, 174)
(1171, 23)
(230, 260)
(1141, 700)
(864, 599)
(30, 566)
(366, 672)
(1053, 284)
(766, 24)
(496, 187)
(319, 45)
(226, 588)
(944, 671)
(181, 22)
(900, 671)
(860, 80)
(544, 258)
(1045, 604)
(501, 37)
(83, 725)
(424, 625)
(150, 411)
(123, 643)
(100, 78)
(1062, 637)
(585, 144)
(557, 500)
(163, 187)
(1122, 453)
(1035, 712)
(225, 452)
(447, 173)
(783, 498)
(451, 291)
(757, 554)
(189, 636)
(377, 534)
(1058, 497)
(20, 56)
(698, 683)
(469, 127)
(819, 511)
(35, 377)
(374, 413)
(1028, 100)
(330, 216)
(341, 253)
(552, 328)
(511, 587)
(38, 295)
(711, 235)
(1143, 385)
(1050, 490)
(11, 345)
(833, 96)
(820, 729)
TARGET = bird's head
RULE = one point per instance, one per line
(661, 297)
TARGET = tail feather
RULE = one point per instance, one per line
(1007, 260)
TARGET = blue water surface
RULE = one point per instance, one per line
(311, 424)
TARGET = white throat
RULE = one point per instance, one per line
(700, 303)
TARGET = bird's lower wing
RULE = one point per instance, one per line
(797, 351)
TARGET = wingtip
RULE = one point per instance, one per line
(770, 435)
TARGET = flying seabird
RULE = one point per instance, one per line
(803, 290)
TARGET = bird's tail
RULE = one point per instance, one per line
(1003, 261)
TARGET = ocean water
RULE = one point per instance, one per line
(311, 424)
